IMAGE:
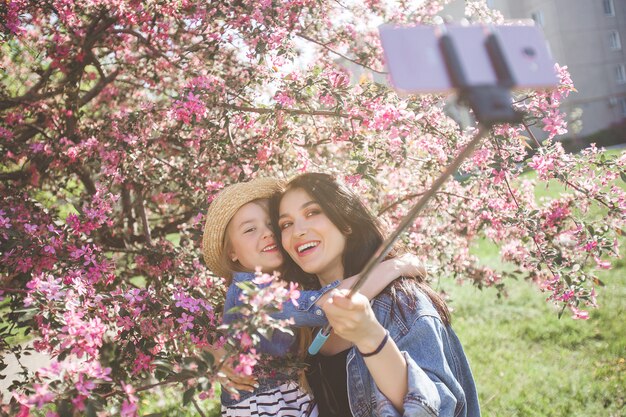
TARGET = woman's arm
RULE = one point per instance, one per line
(430, 385)
(385, 273)
(354, 321)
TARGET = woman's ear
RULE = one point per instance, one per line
(233, 256)
(349, 231)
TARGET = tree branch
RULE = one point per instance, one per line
(14, 175)
(102, 82)
(145, 42)
(325, 46)
(575, 187)
(195, 404)
(414, 195)
(141, 210)
(86, 180)
(259, 110)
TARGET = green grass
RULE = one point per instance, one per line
(527, 362)
(168, 402)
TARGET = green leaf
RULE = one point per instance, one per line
(188, 395)
(208, 357)
(623, 175)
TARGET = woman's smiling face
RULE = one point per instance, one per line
(309, 237)
(251, 239)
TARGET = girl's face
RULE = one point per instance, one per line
(251, 238)
(309, 237)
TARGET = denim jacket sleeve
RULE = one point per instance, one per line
(432, 388)
(440, 383)
(305, 314)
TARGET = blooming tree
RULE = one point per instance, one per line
(120, 119)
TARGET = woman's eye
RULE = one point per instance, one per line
(252, 229)
(285, 225)
(313, 212)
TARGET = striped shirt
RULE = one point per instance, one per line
(287, 400)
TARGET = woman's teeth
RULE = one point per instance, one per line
(306, 246)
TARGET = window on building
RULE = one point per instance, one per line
(620, 74)
(609, 9)
(537, 17)
(622, 103)
(615, 42)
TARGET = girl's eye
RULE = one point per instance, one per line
(284, 225)
(252, 229)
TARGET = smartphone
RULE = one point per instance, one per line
(415, 61)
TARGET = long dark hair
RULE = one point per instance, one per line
(363, 235)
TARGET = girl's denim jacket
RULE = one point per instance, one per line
(440, 382)
(305, 314)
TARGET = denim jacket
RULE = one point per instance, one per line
(440, 382)
(305, 314)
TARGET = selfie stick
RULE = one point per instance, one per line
(491, 104)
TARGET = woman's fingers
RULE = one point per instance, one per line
(352, 318)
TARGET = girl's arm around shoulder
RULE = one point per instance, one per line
(305, 312)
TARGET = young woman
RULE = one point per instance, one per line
(405, 359)
(238, 238)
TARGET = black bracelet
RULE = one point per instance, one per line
(379, 348)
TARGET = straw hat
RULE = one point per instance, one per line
(223, 208)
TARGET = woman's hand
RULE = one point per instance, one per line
(354, 320)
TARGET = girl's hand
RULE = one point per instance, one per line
(354, 320)
(408, 265)
(228, 376)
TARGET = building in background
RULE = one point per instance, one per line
(589, 36)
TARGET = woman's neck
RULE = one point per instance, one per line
(330, 276)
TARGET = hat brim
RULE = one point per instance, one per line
(222, 210)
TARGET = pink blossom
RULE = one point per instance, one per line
(84, 386)
(579, 314)
(294, 293)
(555, 124)
(246, 362)
(79, 402)
(246, 341)
(129, 409)
(602, 264)
(186, 322)
(327, 100)
(284, 99)
(5, 222)
(142, 362)
(41, 396)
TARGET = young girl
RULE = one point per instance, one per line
(405, 359)
(237, 239)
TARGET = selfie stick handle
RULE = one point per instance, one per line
(491, 104)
